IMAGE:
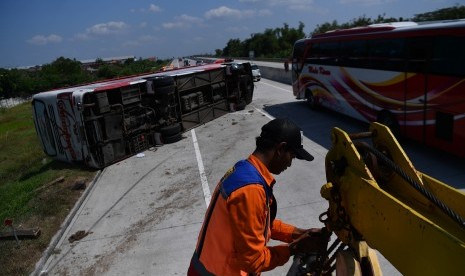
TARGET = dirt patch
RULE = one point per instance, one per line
(79, 235)
(50, 207)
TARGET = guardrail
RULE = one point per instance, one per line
(273, 70)
(276, 74)
(270, 68)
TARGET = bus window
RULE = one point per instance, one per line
(418, 51)
(299, 49)
(314, 54)
(387, 54)
(448, 56)
(329, 53)
(353, 53)
(297, 55)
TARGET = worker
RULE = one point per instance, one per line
(240, 219)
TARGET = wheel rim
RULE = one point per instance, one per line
(310, 100)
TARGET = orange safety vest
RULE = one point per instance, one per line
(238, 223)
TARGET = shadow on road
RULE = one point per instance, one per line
(317, 126)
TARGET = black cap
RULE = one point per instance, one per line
(284, 130)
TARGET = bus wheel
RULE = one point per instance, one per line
(311, 102)
(163, 81)
(172, 139)
(171, 129)
(248, 91)
(387, 118)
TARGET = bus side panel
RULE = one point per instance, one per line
(348, 93)
(412, 125)
(55, 122)
(445, 118)
(370, 91)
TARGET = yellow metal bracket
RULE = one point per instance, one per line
(368, 202)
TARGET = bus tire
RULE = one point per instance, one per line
(248, 91)
(311, 102)
(162, 81)
(171, 130)
(241, 105)
(388, 119)
(165, 89)
(172, 139)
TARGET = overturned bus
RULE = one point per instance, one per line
(101, 123)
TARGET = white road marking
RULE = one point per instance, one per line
(264, 113)
(277, 87)
(203, 177)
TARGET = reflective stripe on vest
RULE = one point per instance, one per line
(242, 174)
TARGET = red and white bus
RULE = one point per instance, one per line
(98, 124)
(408, 76)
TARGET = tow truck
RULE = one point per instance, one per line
(378, 200)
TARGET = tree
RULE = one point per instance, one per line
(8, 82)
(271, 43)
(99, 62)
(218, 53)
(287, 37)
(63, 72)
(456, 12)
(107, 71)
(325, 27)
(233, 48)
(356, 22)
(451, 13)
(264, 44)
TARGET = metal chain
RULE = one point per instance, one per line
(449, 212)
(342, 217)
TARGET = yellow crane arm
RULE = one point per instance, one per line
(419, 228)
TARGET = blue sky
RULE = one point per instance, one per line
(35, 32)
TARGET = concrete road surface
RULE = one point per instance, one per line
(141, 216)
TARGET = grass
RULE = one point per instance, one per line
(26, 196)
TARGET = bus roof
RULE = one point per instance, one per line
(125, 81)
(393, 26)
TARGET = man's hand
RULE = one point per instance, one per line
(312, 240)
(299, 232)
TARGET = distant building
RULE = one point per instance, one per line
(90, 64)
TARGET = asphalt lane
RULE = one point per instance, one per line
(142, 215)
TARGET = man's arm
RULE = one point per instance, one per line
(248, 218)
(284, 232)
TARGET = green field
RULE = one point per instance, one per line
(35, 191)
